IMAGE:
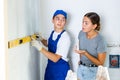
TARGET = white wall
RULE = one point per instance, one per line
(23, 20)
(28, 16)
(107, 9)
(2, 43)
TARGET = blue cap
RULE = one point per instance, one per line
(60, 12)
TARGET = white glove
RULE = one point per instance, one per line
(36, 44)
(40, 38)
(71, 75)
(102, 73)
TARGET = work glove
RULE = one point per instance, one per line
(102, 73)
(37, 44)
(39, 36)
(71, 75)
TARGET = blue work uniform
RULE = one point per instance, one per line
(55, 70)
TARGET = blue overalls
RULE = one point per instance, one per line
(55, 70)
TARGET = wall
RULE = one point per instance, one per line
(28, 16)
(23, 20)
(2, 43)
(108, 11)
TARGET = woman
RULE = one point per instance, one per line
(58, 48)
(92, 48)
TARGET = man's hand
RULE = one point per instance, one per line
(37, 44)
(39, 36)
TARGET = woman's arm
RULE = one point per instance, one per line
(98, 61)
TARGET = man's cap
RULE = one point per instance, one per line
(60, 12)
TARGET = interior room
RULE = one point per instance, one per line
(27, 17)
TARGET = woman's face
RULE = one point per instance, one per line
(59, 21)
(87, 25)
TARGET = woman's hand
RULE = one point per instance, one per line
(82, 52)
